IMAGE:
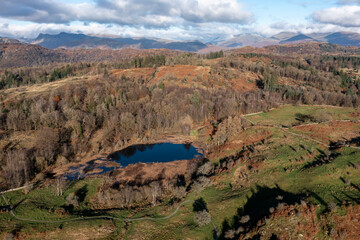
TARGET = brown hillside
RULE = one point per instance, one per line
(25, 55)
(189, 75)
(304, 48)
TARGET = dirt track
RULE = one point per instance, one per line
(110, 217)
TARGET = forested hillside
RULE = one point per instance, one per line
(60, 117)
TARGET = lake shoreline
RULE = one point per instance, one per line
(101, 160)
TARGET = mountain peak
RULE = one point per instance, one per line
(284, 35)
(297, 38)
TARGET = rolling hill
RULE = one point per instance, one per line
(247, 40)
(298, 38)
(81, 41)
(344, 38)
(79, 47)
(74, 41)
(25, 55)
(252, 40)
(279, 159)
(8, 40)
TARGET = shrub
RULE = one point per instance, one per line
(72, 199)
(245, 219)
(322, 117)
(304, 117)
(205, 169)
(202, 218)
(201, 183)
(180, 192)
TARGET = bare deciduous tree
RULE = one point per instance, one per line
(202, 218)
(17, 168)
(155, 191)
(59, 186)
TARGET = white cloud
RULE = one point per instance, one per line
(202, 31)
(45, 11)
(306, 28)
(346, 16)
(226, 11)
(149, 13)
(343, 2)
(175, 19)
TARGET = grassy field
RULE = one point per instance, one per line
(286, 115)
(289, 166)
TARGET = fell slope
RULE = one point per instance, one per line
(75, 41)
(26, 55)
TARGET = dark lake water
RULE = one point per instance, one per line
(159, 152)
(145, 153)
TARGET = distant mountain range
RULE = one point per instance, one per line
(66, 47)
(72, 41)
(340, 38)
(76, 41)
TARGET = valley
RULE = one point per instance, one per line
(179, 120)
(242, 182)
(273, 136)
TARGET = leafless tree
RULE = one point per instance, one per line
(205, 169)
(155, 191)
(47, 143)
(59, 186)
(202, 218)
(17, 168)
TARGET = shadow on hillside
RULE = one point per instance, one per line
(82, 192)
(200, 205)
(354, 141)
(348, 196)
(260, 205)
(321, 159)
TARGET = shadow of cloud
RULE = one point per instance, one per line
(260, 205)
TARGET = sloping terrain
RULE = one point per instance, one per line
(344, 38)
(8, 40)
(270, 191)
(19, 55)
(24, 55)
(247, 40)
(253, 40)
(278, 128)
(297, 39)
(82, 41)
(306, 48)
(73, 41)
(188, 75)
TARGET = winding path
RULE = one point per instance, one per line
(16, 189)
(285, 129)
(111, 217)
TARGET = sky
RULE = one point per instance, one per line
(203, 20)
